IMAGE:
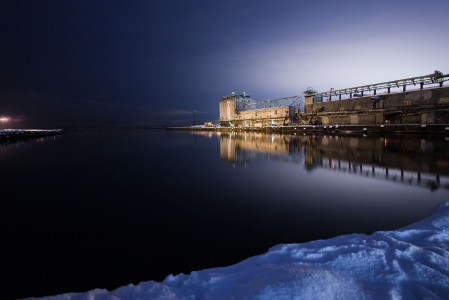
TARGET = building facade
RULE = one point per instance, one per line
(381, 103)
(239, 110)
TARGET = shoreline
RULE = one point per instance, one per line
(388, 129)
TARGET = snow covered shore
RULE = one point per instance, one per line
(408, 263)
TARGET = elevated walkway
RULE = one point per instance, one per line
(437, 78)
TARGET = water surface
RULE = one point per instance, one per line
(104, 208)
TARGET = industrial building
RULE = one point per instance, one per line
(426, 102)
(240, 110)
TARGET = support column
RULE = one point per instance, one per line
(374, 92)
(389, 90)
(403, 88)
(421, 85)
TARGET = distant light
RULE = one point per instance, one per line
(4, 119)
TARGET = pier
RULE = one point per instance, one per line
(12, 134)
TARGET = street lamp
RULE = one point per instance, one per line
(4, 120)
(194, 111)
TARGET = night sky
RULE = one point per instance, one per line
(142, 63)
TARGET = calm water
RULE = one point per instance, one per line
(104, 208)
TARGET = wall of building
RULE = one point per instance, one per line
(227, 110)
(411, 98)
(418, 106)
(272, 116)
(427, 106)
(263, 116)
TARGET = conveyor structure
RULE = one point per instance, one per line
(435, 78)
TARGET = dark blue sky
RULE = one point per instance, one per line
(98, 63)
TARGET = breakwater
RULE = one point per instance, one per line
(11, 134)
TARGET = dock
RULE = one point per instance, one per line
(369, 129)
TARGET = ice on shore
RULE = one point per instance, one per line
(408, 263)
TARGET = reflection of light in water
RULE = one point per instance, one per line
(7, 145)
(381, 158)
(428, 180)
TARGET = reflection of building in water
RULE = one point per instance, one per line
(242, 147)
(421, 162)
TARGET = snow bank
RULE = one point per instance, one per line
(409, 263)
